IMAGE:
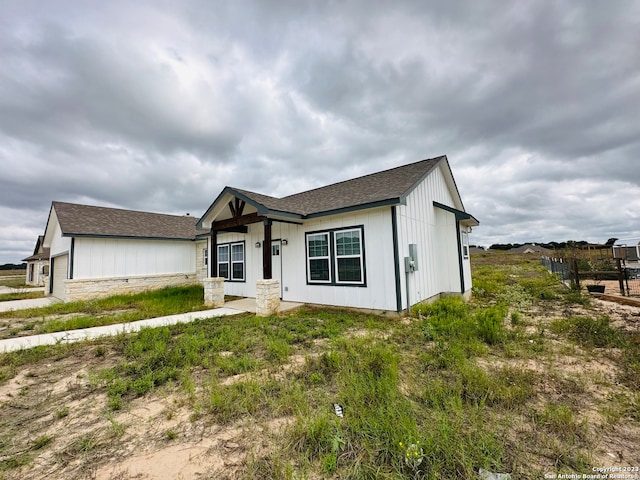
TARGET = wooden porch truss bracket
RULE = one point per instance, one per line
(237, 209)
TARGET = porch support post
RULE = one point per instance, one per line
(266, 251)
(213, 254)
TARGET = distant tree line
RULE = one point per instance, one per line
(549, 245)
(13, 266)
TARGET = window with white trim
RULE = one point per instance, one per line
(237, 261)
(336, 257)
(231, 261)
(318, 258)
(223, 261)
(205, 253)
(348, 250)
(465, 244)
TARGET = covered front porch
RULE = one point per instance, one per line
(241, 250)
(250, 305)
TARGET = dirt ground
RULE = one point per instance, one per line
(56, 411)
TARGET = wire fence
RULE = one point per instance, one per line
(560, 267)
(631, 280)
(622, 279)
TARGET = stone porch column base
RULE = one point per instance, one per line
(213, 291)
(267, 297)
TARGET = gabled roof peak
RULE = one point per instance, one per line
(387, 187)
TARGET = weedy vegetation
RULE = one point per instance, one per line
(528, 378)
(105, 311)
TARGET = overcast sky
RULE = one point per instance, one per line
(157, 106)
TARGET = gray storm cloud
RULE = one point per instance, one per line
(135, 106)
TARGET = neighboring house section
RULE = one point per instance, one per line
(384, 241)
(37, 264)
(99, 251)
(531, 248)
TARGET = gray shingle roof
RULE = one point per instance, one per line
(88, 220)
(44, 255)
(370, 189)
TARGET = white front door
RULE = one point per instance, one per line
(276, 262)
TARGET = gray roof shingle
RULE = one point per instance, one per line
(370, 189)
(88, 220)
(44, 255)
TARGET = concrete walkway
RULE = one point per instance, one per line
(70, 336)
(29, 303)
(233, 307)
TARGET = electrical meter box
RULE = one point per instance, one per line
(411, 262)
(413, 255)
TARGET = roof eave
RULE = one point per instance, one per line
(354, 208)
(127, 237)
(463, 217)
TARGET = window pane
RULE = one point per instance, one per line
(348, 243)
(237, 253)
(319, 269)
(238, 271)
(223, 253)
(349, 270)
(223, 270)
(318, 245)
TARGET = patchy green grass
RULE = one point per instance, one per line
(505, 383)
(111, 310)
(13, 281)
(23, 295)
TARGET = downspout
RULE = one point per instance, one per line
(460, 261)
(407, 285)
(71, 256)
(396, 258)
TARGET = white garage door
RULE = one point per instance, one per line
(59, 275)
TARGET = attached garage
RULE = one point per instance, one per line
(99, 251)
(59, 276)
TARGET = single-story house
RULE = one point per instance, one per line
(37, 264)
(100, 251)
(383, 241)
(529, 248)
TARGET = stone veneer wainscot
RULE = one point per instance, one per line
(90, 288)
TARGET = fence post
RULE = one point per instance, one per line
(576, 278)
(620, 275)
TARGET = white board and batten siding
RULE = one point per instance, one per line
(379, 292)
(113, 257)
(433, 231)
(59, 244)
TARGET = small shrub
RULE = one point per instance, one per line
(490, 324)
(596, 332)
